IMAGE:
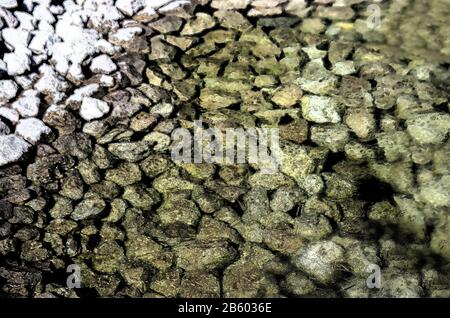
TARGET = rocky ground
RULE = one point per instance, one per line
(90, 92)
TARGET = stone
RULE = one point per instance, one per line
(4, 129)
(144, 249)
(287, 96)
(130, 151)
(361, 122)
(72, 187)
(213, 100)
(201, 23)
(10, 114)
(320, 109)
(27, 104)
(92, 108)
(87, 208)
(320, 260)
(230, 4)
(344, 68)
(141, 197)
(167, 24)
(430, 128)
(8, 90)
(126, 174)
(129, 7)
(196, 255)
(161, 50)
(197, 284)
(32, 130)
(296, 162)
(13, 148)
(175, 211)
(17, 63)
(296, 131)
(162, 109)
(108, 257)
(8, 4)
(333, 137)
(103, 64)
(232, 20)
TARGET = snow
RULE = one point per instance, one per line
(129, 7)
(8, 90)
(103, 64)
(92, 108)
(17, 63)
(12, 149)
(32, 129)
(8, 4)
(28, 104)
(10, 114)
(80, 93)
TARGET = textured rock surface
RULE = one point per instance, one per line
(91, 92)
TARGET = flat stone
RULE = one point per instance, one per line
(212, 100)
(230, 4)
(258, 11)
(92, 108)
(167, 24)
(201, 23)
(232, 20)
(267, 3)
(12, 149)
(32, 129)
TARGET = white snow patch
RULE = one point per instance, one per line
(32, 129)
(92, 108)
(129, 7)
(103, 64)
(8, 90)
(13, 147)
(28, 104)
(11, 114)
